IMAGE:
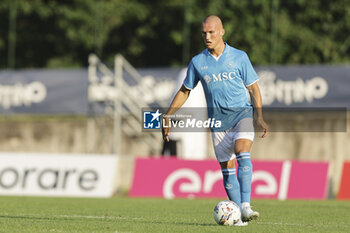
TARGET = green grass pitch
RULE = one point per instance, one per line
(121, 214)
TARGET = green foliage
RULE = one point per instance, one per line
(61, 33)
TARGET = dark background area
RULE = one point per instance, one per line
(59, 33)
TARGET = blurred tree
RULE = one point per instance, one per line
(314, 32)
(155, 40)
(61, 33)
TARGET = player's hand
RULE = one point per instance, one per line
(264, 126)
(166, 129)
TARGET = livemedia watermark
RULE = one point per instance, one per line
(191, 119)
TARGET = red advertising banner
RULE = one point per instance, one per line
(174, 178)
(344, 190)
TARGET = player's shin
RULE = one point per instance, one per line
(231, 185)
(245, 171)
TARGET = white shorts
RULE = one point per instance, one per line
(224, 141)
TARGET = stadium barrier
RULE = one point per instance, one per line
(57, 175)
(344, 190)
(175, 178)
(68, 91)
(77, 175)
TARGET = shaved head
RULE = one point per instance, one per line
(213, 19)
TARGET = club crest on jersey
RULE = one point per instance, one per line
(230, 64)
(207, 78)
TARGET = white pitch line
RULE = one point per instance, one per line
(80, 216)
(298, 225)
(96, 217)
(284, 223)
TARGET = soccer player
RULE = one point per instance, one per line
(226, 74)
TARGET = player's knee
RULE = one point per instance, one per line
(228, 164)
(242, 148)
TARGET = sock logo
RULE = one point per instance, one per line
(229, 186)
(246, 169)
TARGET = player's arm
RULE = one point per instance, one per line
(179, 99)
(255, 95)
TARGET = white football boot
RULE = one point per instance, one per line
(248, 214)
(240, 223)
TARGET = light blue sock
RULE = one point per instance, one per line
(245, 171)
(231, 185)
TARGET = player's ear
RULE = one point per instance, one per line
(222, 32)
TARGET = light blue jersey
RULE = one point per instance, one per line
(224, 81)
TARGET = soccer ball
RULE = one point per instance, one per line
(227, 213)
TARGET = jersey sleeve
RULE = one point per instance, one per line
(191, 79)
(249, 75)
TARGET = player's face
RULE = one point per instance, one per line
(212, 34)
